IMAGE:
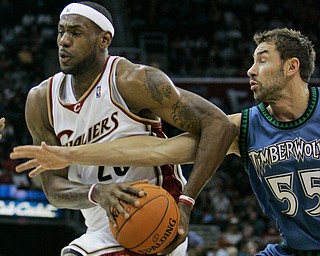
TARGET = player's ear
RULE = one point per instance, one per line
(293, 66)
(105, 39)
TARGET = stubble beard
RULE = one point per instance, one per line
(81, 66)
(271, 90)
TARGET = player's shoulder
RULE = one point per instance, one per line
(128, 71)
(40, 89)
(39, 92)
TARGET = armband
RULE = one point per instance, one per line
(91, 190)
(187, 200)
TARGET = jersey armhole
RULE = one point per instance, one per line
(244, 125)
(49, 101)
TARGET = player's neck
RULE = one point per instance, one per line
(291, 106)
(82, 82)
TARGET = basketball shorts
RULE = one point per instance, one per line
(91, 245)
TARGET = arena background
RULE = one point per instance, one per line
(204, 46)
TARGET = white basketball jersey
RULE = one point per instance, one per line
(102, 115)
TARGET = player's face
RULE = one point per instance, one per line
(267, 78)
(77, 44)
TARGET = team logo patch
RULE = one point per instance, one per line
(98, 92)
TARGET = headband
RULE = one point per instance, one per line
(90, 13)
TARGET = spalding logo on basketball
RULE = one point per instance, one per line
(152, 226)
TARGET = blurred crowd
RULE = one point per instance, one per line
(214, 37)
(27, 33)
(200, 38)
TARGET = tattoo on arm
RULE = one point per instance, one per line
(186, 119)
(188, 112)
(155, 85)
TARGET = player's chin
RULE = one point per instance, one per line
(67, 69)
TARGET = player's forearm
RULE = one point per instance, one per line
(136, 151)
(63, 193)
(213, 146)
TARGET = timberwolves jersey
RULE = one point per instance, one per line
(283, 163)
(102, 115)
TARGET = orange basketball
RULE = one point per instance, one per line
(152, 226)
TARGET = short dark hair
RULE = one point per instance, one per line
(291, 43)
(99, 8)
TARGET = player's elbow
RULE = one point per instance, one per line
(225, 128)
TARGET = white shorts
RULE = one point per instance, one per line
(95, 244)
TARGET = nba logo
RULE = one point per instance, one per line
(98, 91)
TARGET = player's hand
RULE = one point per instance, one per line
(2, 125)
(110, 196)
(42, 158)
(183, 229)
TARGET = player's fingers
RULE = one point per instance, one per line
(133, 190)
(111, 217)
(131, 196)
(21, 154)
(27, 165)
(24, 152)
(121, 208)
(26, 148)
(183, 228)
(36, 171)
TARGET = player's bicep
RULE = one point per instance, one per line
(39, 126)
(148, 88)
(37, 117)
(180, 108)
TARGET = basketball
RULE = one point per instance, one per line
(152, 226)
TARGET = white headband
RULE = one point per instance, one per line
(90, 13)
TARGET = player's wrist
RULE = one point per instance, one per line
(73, 154)
(187, 200)
(91, 192)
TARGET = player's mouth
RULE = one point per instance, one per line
(64, 56)
(254, 84)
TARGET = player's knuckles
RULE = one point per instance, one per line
(133, 191)
(128, 198)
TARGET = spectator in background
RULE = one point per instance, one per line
(195, 244)
(254, 246)
(232, 234)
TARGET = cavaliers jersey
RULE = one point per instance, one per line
(282, 160)
(102, 115)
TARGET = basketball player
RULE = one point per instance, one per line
(278, 141)
(97, 98)
(2, 125)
